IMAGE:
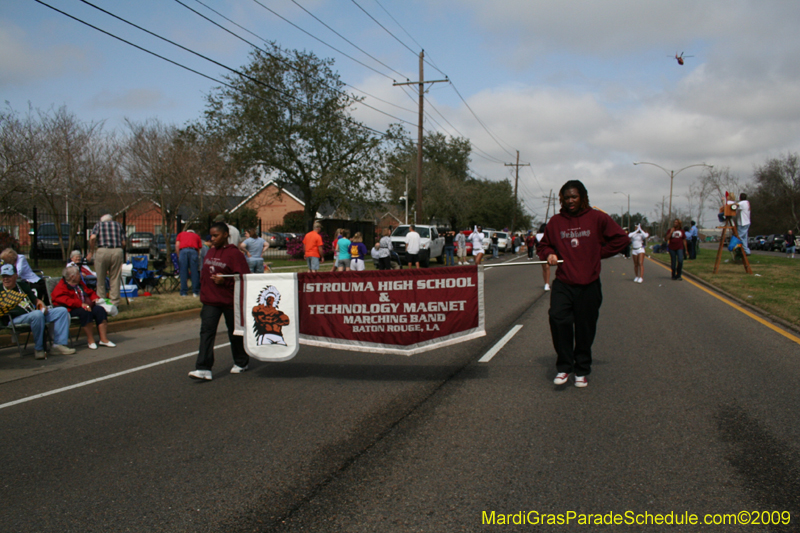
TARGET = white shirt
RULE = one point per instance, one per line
(412, 242)
(638, 239)
(233, 235)
(477, 241)
(744, 213)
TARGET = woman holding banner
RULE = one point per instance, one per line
(217, 278)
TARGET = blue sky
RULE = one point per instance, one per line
(581, 88)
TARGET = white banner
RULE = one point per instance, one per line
(265, 312)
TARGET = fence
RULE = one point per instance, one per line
(36, 234)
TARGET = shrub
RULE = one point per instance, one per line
(8, 241)
(295, 248)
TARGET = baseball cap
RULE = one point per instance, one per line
(7, 270)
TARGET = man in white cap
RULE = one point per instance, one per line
(32, 311)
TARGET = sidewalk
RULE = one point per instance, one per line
(130, 336)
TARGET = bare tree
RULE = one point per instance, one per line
(717, 181)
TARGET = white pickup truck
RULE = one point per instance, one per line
(431, 244)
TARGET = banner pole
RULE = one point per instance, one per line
(486, 267)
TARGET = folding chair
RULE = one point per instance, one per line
(171, 279)
(141, 276)
(73, 321)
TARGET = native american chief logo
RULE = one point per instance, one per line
(269, 321)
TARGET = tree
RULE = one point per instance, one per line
(289, 116)
(776, 197)
(72, 166)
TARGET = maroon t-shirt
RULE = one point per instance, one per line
(225, 260)
(676, 238)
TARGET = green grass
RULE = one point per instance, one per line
(773, 287)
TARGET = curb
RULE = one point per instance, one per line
(148, 321)
(750, 307)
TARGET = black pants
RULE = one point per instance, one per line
(209, 320)
(693, 249)
(574, 310)
(385, 263)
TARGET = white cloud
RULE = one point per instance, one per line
(22, 63)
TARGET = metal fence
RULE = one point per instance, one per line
(47, 238)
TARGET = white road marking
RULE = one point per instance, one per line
(96, 380)
(499, 346)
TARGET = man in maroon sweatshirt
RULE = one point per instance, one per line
(581, 236)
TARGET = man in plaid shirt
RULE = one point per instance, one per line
(107, 243)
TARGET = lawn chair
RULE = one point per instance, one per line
(15, 330)
(143, 278)
(73, 321)
(171, 278)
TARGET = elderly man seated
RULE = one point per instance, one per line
(32, 311)
(87, 275)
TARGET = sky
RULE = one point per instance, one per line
(582, 89)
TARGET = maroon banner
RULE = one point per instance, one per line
(391, 311)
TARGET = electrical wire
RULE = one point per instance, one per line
(315, 38)
(479, 120)
(206, 76)
(277, 58)
(349, 41)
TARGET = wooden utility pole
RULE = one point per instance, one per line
(516, 184)
(421, 84)
(547, 213)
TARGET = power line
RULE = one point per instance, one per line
(348, 41)
(479, 120)
(289, 65)
(431, 62)
(206, 76)
(317, 39)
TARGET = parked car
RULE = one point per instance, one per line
(158, 246)
(275, 240)
(774, 243)
(430, 242)
(503, 242)
(139, 242)
(47, 244)
(760, 239)
(752, 243)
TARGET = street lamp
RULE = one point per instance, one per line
(629, 208)
(406, 199)
(672, 174)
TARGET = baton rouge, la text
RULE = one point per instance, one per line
(388, 286)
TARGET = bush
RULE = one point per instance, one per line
(8, 241)
(295, 248)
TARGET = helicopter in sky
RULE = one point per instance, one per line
(680, 58)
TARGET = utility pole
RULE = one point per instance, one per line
(516, 184)
(547, 213)
(421, 84)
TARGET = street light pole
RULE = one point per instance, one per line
(672, 174)
(629, 208)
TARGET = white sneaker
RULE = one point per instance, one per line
(239, 369)
(92, 346)
(40, 354)
(108, 344)
(561, 378)
(640, 280)
(547, 286)
(580, 381)
(61, 349)
(200, 374)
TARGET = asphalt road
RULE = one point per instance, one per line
(691, 407)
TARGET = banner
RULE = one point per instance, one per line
(266, 314)
(402, 312)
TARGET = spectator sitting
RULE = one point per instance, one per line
(32, 311)
(87, 275)
(25, 273)
(72, 294)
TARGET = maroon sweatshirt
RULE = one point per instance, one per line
(581, 241)
(226, 260)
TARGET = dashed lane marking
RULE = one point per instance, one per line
(499, 345)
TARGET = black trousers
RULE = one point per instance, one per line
(209, 320)
(574, 310)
